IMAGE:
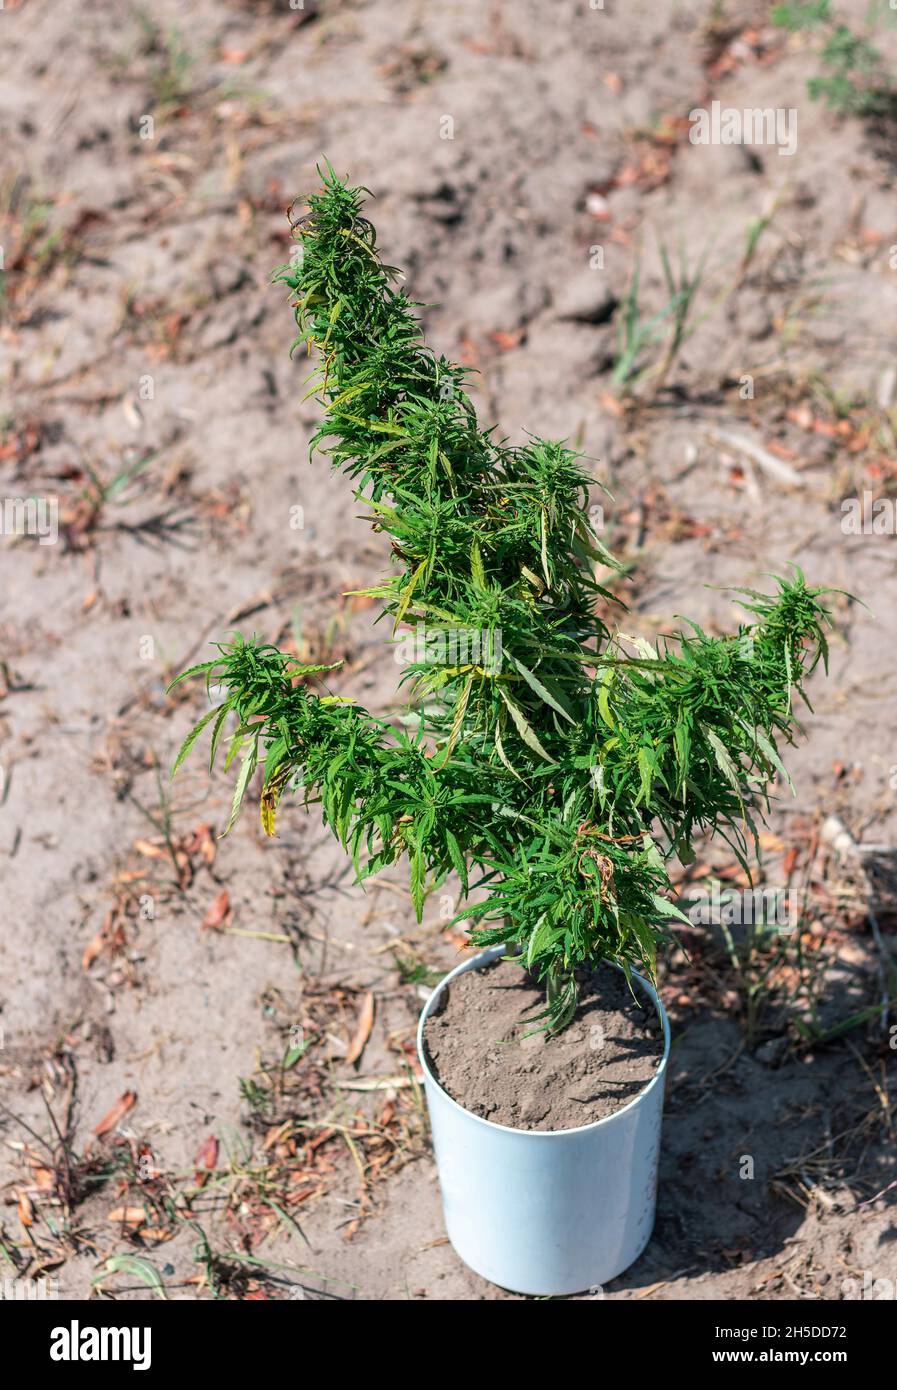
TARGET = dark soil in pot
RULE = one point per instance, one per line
(479, 1051)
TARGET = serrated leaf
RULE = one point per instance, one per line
(682, 744)
(407, 594)
(457, 859)
(724, 762)
(500, 750)
(458, 719)
(194, 735)
(477, 572)
(604, 698)
(268, 806)
(768, 750)
(667, 909)
(540, 937)
(247, 768)
(523, 727)
(646, 767)
(236, 743)
(194, 671)
(541, 690)
(418, 870)
(533, 579)
(544, 548)
(217, 730)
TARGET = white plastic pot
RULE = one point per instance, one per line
(547, 1211)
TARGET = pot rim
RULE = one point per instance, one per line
(477, 962)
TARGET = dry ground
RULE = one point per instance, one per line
(179, 1111)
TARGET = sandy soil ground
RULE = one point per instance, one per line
(180, 1114)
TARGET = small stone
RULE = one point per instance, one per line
(586, 298)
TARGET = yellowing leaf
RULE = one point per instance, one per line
(268, 808)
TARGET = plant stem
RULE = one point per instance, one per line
(562, 991)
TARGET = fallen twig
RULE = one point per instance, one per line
(754, 450)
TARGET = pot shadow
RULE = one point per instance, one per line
(636, 1054)
(755, 1139)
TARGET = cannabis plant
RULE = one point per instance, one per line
(553, 765)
